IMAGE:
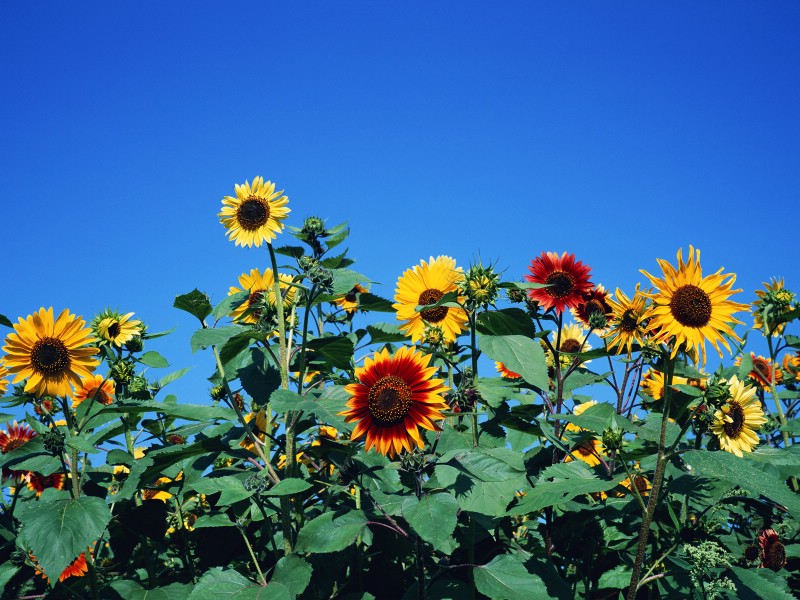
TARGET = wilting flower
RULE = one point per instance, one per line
(691, 308)
(394, 396)
(349, 301)
(763, 371)
(77, 568)
(50, 354)
(772, 301)
(261, 287)
(589, 451)
(39, 483)
(113, 328)
(628, 323)
(425, 284)
(254, 216)
(567, 281)
(594, 310)
(506, 373)
(94, 387)
(773, 552)
(16, 436)
(735, 423)
(652, 383)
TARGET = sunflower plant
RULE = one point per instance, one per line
(466, 434)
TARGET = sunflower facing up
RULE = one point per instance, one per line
(254, 216)
(736, 422)
(628, 324)
(394, 396)
(261, 285)
(690, 309)
(427, 283)
(566, 278)
(94, 387)
(50, 353)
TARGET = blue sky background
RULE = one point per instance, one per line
(617, 131)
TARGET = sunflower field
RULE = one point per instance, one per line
(469, 437)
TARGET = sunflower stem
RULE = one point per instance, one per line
(474, 346)
(261, 579)
(781, 415)
(74, 475)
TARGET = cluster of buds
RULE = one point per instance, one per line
(480, 286)
(313, 229)
(772, 304)
(316, 273)
(53, 441)
(122, 372)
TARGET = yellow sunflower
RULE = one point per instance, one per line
(628, 323)
(260, 285)
(259, 429)
(254, 216)
(589, 451)
(155, 493)
(96, 387)
(3, 380)
(349, 301)
(394, 396)
(736, 423)
(691, 308)
(426, 283)
(50, 354)
(791, 364)
(116, 329)
(652, 383)
(572, 341)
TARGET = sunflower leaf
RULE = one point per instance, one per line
(382, 333)
(231, 303)
(219, 584)
(506, 577)
(294, 572)
(331, 532)
(151, 358)
(195, 303)
(335, 351)
(508, 321)
(433, 517)
(519, 354)
(4, 320)
(371, 302)
(519, 285)
(203, 338)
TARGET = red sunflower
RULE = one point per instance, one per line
(39, 483)
(762, 371)
(94, 387)
(594, 302)
(567, 280)
(505, 372)
(77, 568)
(394, 396)
(773, 552)
(16, 436)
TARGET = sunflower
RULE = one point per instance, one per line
(16, 436)
(77, 568)
(791, 364)
(572, 341)
(506, 373)
(567, 281)
(259, 429)
(349, 301)
(763, 371)
(772, 301)
(424, 284)
(39, 483)
(691, 308)
(736, 423)
(254, 216)
(94, 387)
(154, 493)
(628, 323)
(594, 310)
(652, 383)
(115, 329)
(261, 285)
(3, 380)
(773, 552)
(589, 451)
(50, 354)
(394, 396)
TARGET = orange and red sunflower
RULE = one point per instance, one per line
(566, 278)
(96, 388)
(77, 568)
(763, 371)
(394, 396)
(16, 436)
(39, 483)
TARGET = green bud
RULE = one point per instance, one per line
(122, 371)
(135, 344)
(313, 226)
(53, 441)
(217, 392)
(613, 437)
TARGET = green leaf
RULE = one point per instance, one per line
(175, 375)
(489, 498)
(345, 280)
(293, 251)
(509, 321)
(765, 585)
(336, 351)
(494, 391)
(190, 412)
(232, 489)
(382, 333)
(595, 418)
(519, 354)
(433, 517)
(31, 456)
(58, 531)
(4, 320)
(506, 577)
(373, 303)
(487, 464)
(293, 572)
(7, 571)
(230, 303)
(153, 359)
(126, 589)
(203, 338)
(520, 285)
(330, 532)
(213, 520)
(219, 584)
(618, 578)
(195, 303)
(289, 487)
(259, 378)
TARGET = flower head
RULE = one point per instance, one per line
(116, 329)
(480, 286)
(425, 284)
(349, 301)
(3, 380)
(394, 396)
(77, 568)
(628, 324)
(594, 310)
(506, 373)
(690, 309)
(261, 287)
(15, 436)
(566, 278)
(773, 552)
(763, 371)
(772, 301)
(736, 422)
(254, 216)
(589, 451)
(39, 483)
(50, 353)
(94, 387)
(652, 383)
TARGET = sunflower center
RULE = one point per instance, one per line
(775, 556)
(252, 213)
(50, 356)
(389, 400)
(691, 306)
(628, 321)
(594, 307)
(570, 345)
(432, 315)
(561, 284)
(762, 368)
(585, 450)
(254, 300)
(736, 413)
(114, 329)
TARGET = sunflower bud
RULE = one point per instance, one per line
(44, 406)
(53, 441)
(598, 320)
(307, 263)
(516, 295)
(135, 344)
(612, 438)
(718, 392)
(217, 392)
(122, 372)
(313, 226)
(321, 277)
(139, 388)
(433, 336)
(479, 286)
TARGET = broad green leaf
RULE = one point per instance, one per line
(336, 351)
(7, 571)
(373, 303)
(762, 584)
(595, 418)
(487, 464)
(618, 578)
(489, 498)
(293, 572)
(4, 320)
(345, 280)
(433, 517)
(284, 400)
(232, 489)
(126, 589)
(230, 303)
(151, 358)
(219, 584)
(508, 321)
(330, 532)
(293, 251)
(259, 377)
(494, 391)
(31, 456)
(190, 412)
(195, 303)
(175, 375)
(203, 338)
(214, 520)
(519, 354)
(58, 531)
(289, 487)
(505, 577)
(382, 333)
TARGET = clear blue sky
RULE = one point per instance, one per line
(617, 131)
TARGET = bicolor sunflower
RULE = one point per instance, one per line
(424, 284)
(254, 216)
(590, 450)
(51, 354)
(567, 281)
(96, 388)
(77, 568)
(349, 301)
(38, 483)
(261, 287)
(689, 309)
(16, 435)
(736, 422)
(594, 310)
(772, 301)
(116, 329)
(652, 383)
(762, 372)
(506, 373)
(393, 397)
(628, 324)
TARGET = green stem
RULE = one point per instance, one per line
(74, 475)
(261, 579)
(474, 346)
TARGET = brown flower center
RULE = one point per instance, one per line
(50, 357)
(389, 400)
(254, 300)
(732, 430)
(628, 322)
(775, 556)
(99, 395)
(570, 345)
(585, 449)
(252, 213)
(432, 315)
(594, 307)
(114, 329)
(561, 284)
(691, 306)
